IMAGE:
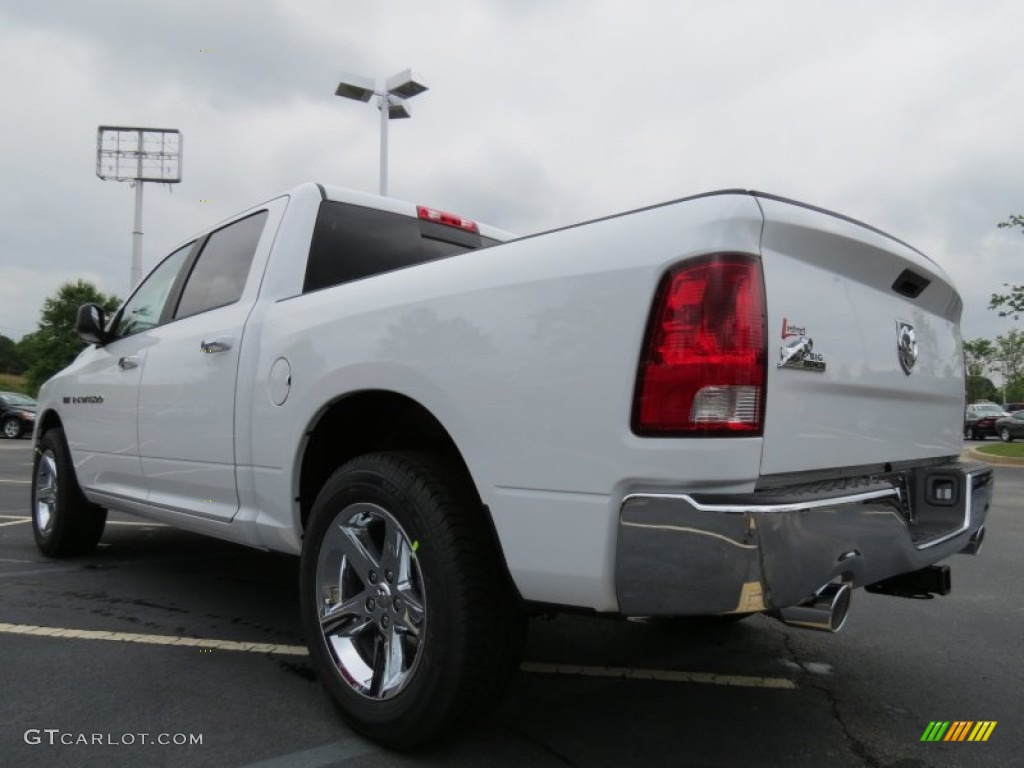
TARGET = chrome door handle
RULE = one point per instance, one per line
(127, 363)
(220, 344)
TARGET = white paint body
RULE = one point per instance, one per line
(527, 354)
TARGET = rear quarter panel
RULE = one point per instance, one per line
(527, 353)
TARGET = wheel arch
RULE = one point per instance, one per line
(48, 420)
(373, 421)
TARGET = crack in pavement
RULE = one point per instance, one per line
(540, 744)
(857, 746)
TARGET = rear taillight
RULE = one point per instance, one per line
(702, 369)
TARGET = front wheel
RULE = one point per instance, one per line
(413, 627)
(12, 428)
(1005, 436)
(64, 522)
(969, 433)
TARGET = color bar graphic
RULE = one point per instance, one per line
(982, 730)
(958, 730)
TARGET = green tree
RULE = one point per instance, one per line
(11, 360)
(981, 388)
(55, 342)
(1009, 361)
(978, 357)
(1011, 302)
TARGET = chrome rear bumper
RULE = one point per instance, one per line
(696, 554)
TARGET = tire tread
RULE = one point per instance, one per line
(79, 523)
(487, 621)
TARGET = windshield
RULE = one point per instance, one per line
(13, 399)
(990, 409)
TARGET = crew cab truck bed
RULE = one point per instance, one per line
(726, 404)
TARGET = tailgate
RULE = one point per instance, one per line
(845, 307)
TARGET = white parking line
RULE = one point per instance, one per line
(16, 482)
(659, 675)
(16, 522)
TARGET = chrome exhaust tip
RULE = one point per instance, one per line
(973, 545)
(825, 612)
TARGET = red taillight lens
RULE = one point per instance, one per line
(702, 370)
(448, 219)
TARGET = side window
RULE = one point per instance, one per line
(145, 307)
(219, 274)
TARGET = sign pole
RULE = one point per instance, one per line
(136, 271)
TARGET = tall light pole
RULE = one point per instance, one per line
(390, 101)
(138, 155)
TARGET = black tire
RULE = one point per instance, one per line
(459, 630)
(64, 522)
(1005, 436)
(12, 427)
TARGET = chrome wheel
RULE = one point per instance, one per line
(12, 428)
(371, 600)
(46, 492)
(386, 532)
(1005, 435)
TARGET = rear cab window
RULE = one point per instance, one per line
(351, 242)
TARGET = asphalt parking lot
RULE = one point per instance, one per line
(163, 636)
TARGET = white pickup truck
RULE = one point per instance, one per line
(722, 405)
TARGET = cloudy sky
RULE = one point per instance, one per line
(905, 114)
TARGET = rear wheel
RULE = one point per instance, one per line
(64, 522)
(1005, 436)
(969, 433)
(12, 427)
(412, 626)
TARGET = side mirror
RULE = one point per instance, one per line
(91, 323)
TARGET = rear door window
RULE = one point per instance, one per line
(222, 269)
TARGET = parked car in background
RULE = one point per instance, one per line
(1010, 427)
(980, 420)
(17, 415)
(1013, 407)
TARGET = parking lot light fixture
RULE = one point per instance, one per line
(390, 101)
(138, 155)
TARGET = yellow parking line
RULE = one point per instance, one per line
(15, 519)
(128, 637)
(660, 675)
